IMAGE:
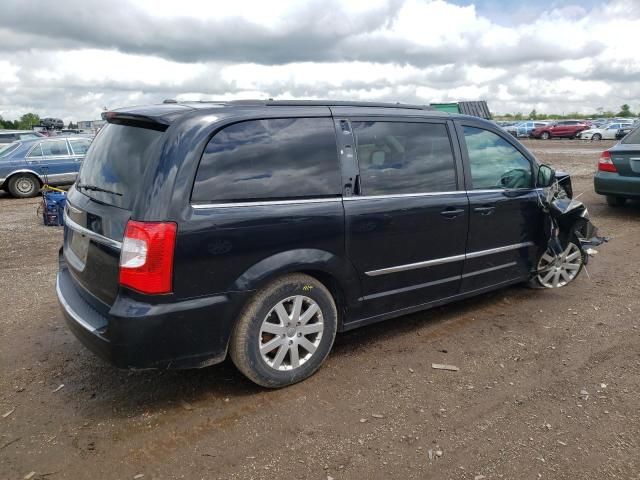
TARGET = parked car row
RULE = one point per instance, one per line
(596, 130)
(28, 164)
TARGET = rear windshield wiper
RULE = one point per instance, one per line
(95, 188)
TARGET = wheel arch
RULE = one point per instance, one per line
(22, 170)
(333, 271)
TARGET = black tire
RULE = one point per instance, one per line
(24, 185)
(545, 136)
(247, 336)
(596, 137)
(614, 201)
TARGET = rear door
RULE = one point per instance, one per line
(407, 213)
(505, 221)
(56, 165)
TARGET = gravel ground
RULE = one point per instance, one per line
(548, 387)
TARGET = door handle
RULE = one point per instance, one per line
(484, 210)
(451, 212)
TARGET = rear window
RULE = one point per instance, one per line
(633, 137)
(269, 159)
(7, 148)
(116, 162)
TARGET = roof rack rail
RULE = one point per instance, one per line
(318, 103)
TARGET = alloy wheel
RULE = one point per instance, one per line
(558, 271)
(291, 332)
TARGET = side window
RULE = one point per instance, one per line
(79, 147)
(36, 152)
(495, 163)
(269, 159)
(54, 148)
(399, 158)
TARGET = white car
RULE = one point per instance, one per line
(606, 132)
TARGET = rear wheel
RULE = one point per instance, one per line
(285, 332)
(24, 185)
(614, 201)
(545, 136)
(558, 271)
(596, 137)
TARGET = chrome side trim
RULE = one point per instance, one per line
(412, 287)
(506, 248)
(488, 270)
(438, 282)
(413, 266)
(200, 206)
(67, 308)
(92, 235)
(443, 260)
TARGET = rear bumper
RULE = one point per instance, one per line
(610, 183)
(131, 334)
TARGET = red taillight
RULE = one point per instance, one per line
(146, 259)
(606, 164)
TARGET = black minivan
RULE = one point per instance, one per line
(261, 228)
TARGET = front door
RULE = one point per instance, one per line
(406, 216)
(505, 219)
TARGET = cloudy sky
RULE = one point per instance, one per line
(70, 59)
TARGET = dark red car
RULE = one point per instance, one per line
(560, 129)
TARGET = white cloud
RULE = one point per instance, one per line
(84, 55)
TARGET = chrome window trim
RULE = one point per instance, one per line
(93, 235)
(202, 206)
(71, 311)
(443, 260)
(402, 195)
(260, 203)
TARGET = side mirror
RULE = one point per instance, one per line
(546, 176)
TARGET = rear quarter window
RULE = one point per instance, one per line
(633, 137)
(272, 159)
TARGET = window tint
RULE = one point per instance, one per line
(79, 147)
(36, 152)
(398, 158)
(633, 137)
(495, 163)
(270, 159)
(54, 148)
(116, 161)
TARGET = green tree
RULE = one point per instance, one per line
(518, 116)
(533, 115)
(625, 111)
(28, 120)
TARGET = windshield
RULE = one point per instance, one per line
(113, 170)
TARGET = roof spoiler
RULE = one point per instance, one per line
(136, 120)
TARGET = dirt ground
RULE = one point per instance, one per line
(548, 387)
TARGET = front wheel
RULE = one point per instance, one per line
(24, 185)
(596, 137)
(558, 271)
(285, 332)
